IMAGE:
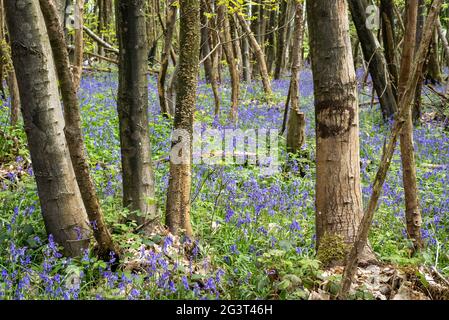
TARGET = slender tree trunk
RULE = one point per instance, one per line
(296, 127)
(169, 31)
(6, 65)
(376, 60)
(61, 203)
(416, 112)
(269, 45)
(152, 32)
(412, 211)
(3, 52)
(137, 171)
(205, 46)
(104, 12)
(404, 106)
(338, 189)
(225, 38)
(389, 41)
(73, 131)
(246, 54)
(257, 17)
(355, 48)
(79, 44)
(236, 43)
(210, 68)
(14, 97)
(281, 45)
(290, 31)
(179, 187)
(433, 67)
(260, 56)
(171, 92)
(443, 40)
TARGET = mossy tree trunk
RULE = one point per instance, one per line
(179, 187)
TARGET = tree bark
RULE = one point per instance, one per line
(246, 56)
(433, 68)
(281, 45)
(61, 203)
(296, 124)
(412, 211)
(389, 41)
(443, 39)
(205, 45)
(169, 30)
(416, 112)
(226, 41)
(6, 65)
(79, 45)
(14, 97)
(338, 189)
(179, 187)
(376, 60)
(269, 45)
(209, 57)
(137, 171)
(73, 131)
(234, 28)
(259, 55)
(404, 107)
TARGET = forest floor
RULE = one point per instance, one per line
(254, 234)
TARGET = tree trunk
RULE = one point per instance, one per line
(169, 30)
(260, 56)
(412, 211)
(257, 13)
(246, 56)
(373, 55)
(14, 97)
(73, 131)
(404, 108)
(226, 41)
(104, 20)
(234, 27)
(296, 128)
(443, 40)
(338, 190)
(389, 41)
(269, 46)
(6, 65)
(137, 171)
(205, 46)
(210, 65)
(61, 6)
(79, 44)
(62, 206)
(433, 68)
(281, 45)
(416, 112)
(179, 187)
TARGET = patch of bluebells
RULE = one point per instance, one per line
(254, 214)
